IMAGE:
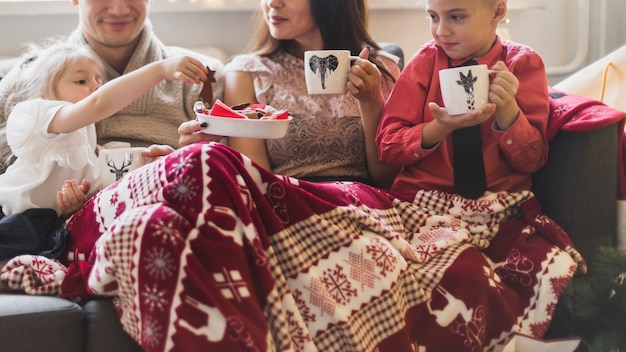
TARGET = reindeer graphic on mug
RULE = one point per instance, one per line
(323, 66)
(468, 84)
(121, 170)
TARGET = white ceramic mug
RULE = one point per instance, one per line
(326, 71)
(464, 88)
(117, 162)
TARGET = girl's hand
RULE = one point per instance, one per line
(185, 68)
(72, 196)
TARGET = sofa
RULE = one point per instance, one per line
(577, 188)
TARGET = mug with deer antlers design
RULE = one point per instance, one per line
(115, 163)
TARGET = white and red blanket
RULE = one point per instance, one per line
(204, 251)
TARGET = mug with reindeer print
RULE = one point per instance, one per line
(464, 88)
(115, 163)
(326, 71)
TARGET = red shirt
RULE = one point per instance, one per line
(510, 156)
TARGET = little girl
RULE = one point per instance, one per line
(52, 134)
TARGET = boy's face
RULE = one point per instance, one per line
(465, 28)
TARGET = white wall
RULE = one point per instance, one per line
(552, 31)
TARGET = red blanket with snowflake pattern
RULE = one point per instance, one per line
(204, 251)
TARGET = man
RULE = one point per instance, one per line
(121, 34)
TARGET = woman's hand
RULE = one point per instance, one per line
(72, 196)
(191, 132)
(364, 79)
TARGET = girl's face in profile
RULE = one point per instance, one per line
(465, 28)
(292, 20)
(78, 81)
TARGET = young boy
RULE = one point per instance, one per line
(418, 135)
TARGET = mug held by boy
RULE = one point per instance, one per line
(464, 88)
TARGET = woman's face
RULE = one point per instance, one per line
(292, 20)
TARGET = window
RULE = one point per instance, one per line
(38, 7)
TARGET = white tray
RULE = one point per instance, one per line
(240, 127)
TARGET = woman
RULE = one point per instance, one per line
(330, 137)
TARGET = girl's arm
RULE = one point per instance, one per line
(238, 89)
(113, 96)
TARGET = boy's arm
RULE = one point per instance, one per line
(524, 142)
(399, 135)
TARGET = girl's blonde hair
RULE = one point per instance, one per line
(44, 67)
(40, 69)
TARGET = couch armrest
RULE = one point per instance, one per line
(578, 187)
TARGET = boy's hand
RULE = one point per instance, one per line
(456, 122)
(502, 92)
(444, 124)
(72, 196)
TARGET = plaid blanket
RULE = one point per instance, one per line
(203, 250)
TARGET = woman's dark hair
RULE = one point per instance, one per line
(342, 24)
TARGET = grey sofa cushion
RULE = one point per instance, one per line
(40, 323)
(578, 187)
(104, 329)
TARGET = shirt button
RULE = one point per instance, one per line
(509, 142)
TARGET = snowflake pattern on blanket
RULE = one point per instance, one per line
(203, 250)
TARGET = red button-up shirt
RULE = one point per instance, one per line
(510, 156)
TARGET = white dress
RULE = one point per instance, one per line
(44, 160)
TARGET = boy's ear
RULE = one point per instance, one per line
(500, 10)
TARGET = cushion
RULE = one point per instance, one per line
(57, 324)
(104, 329)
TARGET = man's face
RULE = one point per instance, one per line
(112, 23)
